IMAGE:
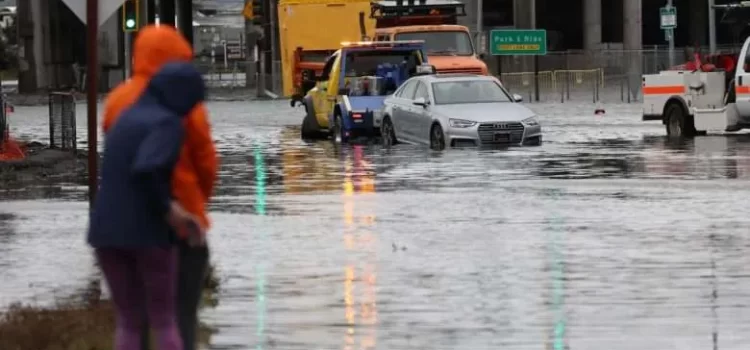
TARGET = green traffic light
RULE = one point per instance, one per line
(130, 23)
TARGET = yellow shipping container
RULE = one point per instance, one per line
(317, 26)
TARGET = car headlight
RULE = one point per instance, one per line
(530, 121)
(461, 123)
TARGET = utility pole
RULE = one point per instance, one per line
(711, 27)
(671, 39)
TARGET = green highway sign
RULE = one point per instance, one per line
(518, 42)
(668, 17)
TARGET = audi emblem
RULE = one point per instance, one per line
(501, 126)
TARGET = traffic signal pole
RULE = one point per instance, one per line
(92, 87)
(131, 21)
(128, 55)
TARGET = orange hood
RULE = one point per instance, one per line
(156, 45)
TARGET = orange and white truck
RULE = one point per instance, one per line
(701, 100)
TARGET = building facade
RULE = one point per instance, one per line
(614, 24)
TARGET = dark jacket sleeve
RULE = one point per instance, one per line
(155, 161)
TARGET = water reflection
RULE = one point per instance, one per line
(557, 267)
(260, 270)
(309, 167)
(7, 234)
(706, 157)
(360, 241)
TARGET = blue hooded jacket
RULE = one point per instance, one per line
(140, 154)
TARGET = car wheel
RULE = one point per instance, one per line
(388, 132)
(310, 126)
(679, 124)
(437, 138)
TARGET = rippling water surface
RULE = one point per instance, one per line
(608, 236)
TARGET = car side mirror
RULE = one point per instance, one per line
(517, 98)
(420, 101)
(308, 75)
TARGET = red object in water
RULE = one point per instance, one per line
(11, 150)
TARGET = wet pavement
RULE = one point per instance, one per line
(607, 236)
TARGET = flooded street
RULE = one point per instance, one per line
(608, 236)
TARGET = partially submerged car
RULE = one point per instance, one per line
(457, 110)
(347, 99)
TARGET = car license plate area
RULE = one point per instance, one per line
(501, 137)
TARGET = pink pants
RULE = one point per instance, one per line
(142, 279)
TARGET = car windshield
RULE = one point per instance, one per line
(445, 43)
(469, 91)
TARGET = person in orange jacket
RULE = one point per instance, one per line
(196, 170)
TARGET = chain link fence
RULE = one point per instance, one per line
(62, 121)
(597, 76)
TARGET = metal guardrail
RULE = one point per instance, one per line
(62, 121)
(233, 75)
(219, 75)
(556, 85)
(573, 74)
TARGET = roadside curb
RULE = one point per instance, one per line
(214, 95)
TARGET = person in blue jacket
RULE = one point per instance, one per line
(135, 221)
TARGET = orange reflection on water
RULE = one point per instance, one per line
(368, 313)
(348, 212)
(357, 174)
(349, 295)
(359, 293)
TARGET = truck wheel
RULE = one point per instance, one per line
(310, 126)
(679, 124)
(338, 130)
(388, 133)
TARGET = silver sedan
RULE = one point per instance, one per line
(457, 111)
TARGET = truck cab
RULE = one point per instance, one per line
(449, 45)
(348, 96)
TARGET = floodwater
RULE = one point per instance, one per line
(608, 236)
